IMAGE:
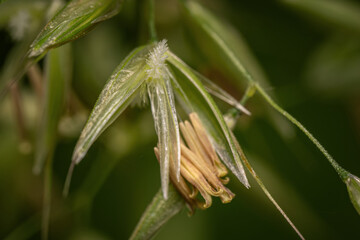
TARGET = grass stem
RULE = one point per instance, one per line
(152, 29)
(341, 171)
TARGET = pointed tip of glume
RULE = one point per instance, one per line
(68, 179)
(243, 179)
(243, 109)
(77, 157)
(245, 182)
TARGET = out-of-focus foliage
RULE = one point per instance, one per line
(58, 70)
(22, 20)
(311, 60)
(333, 69)
(343, 15)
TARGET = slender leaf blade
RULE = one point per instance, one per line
(117, 94)
(76, 19)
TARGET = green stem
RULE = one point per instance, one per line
(341, 171)
(47, 198)
(249, 92)
(153, 34)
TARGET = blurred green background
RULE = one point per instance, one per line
(311, 57)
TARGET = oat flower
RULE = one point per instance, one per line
(201, 168)
(154, 73)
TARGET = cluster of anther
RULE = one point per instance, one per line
(201, 168)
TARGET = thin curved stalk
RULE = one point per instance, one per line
(341, 171)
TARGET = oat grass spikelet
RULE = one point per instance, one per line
(152, 72)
